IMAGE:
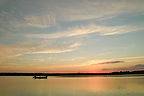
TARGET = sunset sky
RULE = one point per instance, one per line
(71, 35)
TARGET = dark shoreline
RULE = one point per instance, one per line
(140, 73)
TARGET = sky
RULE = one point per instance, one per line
(71, 35)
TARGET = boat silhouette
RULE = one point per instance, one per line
(40, 77)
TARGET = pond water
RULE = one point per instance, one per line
(72, 86)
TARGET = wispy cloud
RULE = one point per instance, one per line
(6, 52)
(119, 61)
(109, 62)
(60, 49)
(81, 10)
(98, 10)
(13, 23)
(89, 29)
(43, 21)
(129, 58)
(133, 67)
(12, 51)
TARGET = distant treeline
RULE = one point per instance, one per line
(72, 74)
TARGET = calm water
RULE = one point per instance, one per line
(76, 86)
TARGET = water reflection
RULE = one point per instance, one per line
(66, 86)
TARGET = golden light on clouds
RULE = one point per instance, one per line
(78, 36)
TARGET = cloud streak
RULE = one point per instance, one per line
(89, 29)
(134, 67)
(97, 10)
(60, 49)
(109, 62)
(43, 21)
(12, 51)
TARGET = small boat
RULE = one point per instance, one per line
(40, 77)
